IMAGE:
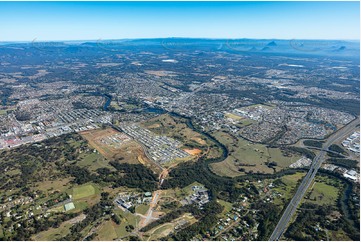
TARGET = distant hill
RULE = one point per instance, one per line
(272, 43)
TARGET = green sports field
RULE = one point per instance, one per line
(83, 191)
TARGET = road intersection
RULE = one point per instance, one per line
(307, 180)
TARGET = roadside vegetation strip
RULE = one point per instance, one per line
(313, 143)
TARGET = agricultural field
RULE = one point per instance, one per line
(247, 157)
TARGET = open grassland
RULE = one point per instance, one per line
(323, 194)
(58, 209)
(292, 180)
(286, 186)
(57, 233)
(142, 209)
(53, 233)
(245, 122)
(161, 231)
(51, 186)
(239, 121)
(127, 219)
(107, 231)
(245, 157)
(79, 206)
(324, 191)
(93, 161)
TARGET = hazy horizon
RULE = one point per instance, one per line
(152, 38)
(77, 21)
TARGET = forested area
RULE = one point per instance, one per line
(129, 175)
(39, 161)
(220, 187)
(268, 216)
(310, 221)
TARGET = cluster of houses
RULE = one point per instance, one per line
(161, 149)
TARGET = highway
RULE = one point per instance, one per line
(307, 180)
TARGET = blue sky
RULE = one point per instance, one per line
(25, 21)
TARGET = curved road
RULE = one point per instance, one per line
(307, 180)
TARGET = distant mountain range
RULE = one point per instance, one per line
(309, 47)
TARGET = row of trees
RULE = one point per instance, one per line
(347, 163)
